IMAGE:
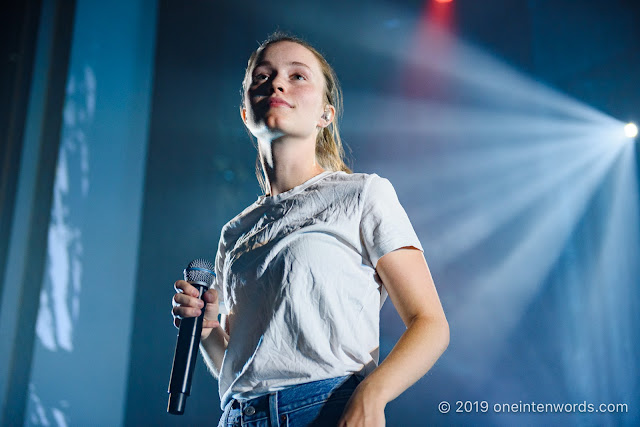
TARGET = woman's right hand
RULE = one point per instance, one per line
(187, 304)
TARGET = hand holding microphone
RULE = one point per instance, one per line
(192, 303)
(187, 303)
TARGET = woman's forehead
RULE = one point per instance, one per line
(288, 51)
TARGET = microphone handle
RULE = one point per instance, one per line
(184, 359)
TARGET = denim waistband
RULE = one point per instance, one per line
(293, 397)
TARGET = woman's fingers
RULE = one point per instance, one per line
(186, 288)
(211, 296)
(210, 323)
(182, 312)
(186, 303)
(205, 323)
(186, 306)
(186, 300)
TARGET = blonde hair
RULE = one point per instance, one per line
(330, 152)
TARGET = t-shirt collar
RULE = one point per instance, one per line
(267, 200)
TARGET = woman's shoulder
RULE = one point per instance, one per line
(360, 182)
(361, 179)
(237, 224)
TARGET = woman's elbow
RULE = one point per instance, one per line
(438, 328)
(446, 336)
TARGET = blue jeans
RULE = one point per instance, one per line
(318, 403)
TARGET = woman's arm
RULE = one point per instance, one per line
(406, 277)
(214, 346)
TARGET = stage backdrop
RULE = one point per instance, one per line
(497, 122)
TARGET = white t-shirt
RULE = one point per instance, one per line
(296, 275)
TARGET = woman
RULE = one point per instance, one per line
(302, 273)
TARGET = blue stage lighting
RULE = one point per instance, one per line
(631, 130)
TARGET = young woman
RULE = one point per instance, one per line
(302, 273)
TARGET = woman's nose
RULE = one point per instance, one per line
(277, 84)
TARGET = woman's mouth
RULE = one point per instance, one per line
(277, 102)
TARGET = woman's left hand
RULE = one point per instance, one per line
(364, 409)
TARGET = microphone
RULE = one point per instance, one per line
(198, 273)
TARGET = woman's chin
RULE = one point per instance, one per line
(274, 122)
(265, 132)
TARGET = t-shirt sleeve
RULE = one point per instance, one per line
(219, 279)
(384, 226)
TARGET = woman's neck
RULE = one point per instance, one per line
(288, 163)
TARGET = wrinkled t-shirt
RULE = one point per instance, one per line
(296, 275)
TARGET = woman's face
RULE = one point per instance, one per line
(285, 95)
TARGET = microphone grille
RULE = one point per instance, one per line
(200, 270)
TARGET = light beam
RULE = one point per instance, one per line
(502, 176)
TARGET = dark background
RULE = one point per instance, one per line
(194, 170)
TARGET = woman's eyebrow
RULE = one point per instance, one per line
(302, 64)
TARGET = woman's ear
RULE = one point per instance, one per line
(327, 116)
(243, 114)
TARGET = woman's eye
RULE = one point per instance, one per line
(260, 77)
(299, 77)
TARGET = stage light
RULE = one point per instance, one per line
(631, 130)
(443, 1)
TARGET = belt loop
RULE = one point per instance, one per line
(224, 419)
(273, 409)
